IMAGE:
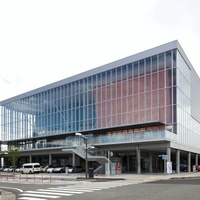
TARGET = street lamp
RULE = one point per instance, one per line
(86, 148)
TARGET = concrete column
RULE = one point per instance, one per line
(177, 161)
(30, 158)
(128, 163)
(138, 160)
(189, 161)
(196, 159)
(73, 160)
(168, 154)
(50, 159)
(150, 162)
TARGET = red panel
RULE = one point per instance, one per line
(136, 86)
(161, 98)
(142, 116)
(130, 87)
(161, 79)
(148, 115)
(154, 81)
(124, 105)
(141, 100)
(130, 118)
(148, 100)
(136, 117)
(148, 83)
(124, 89)
(162, 114)
(135, 102)
(141, 84)
(155, 116)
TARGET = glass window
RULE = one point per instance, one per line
(148, 65)
(141, 68)
(135, 69)
(154, 63)
(168, 60)
(161, 61)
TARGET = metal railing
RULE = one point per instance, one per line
(73, 142)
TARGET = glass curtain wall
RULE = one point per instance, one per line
(188, 127)
(140, 92)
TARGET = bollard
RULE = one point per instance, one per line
(26, 177)
(20, 177)
(34, 177)
(50, 178)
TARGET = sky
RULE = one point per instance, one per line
(44, 41)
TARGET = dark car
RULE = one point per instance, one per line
(183, 167)
(75, 169)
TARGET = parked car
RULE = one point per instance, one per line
(44, 168)
(183, 167)
(51, 168)
(11, 169)
(6, 169)
(75, 169)
(17, 169)
(198, 168)
(60, 169)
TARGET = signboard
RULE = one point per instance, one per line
(164, 157)
(169, 167)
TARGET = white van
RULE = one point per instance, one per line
(30, 168)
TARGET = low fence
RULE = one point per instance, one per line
(27, 177)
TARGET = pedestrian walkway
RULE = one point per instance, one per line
(70, 190)
(150, 176)
(5, 195)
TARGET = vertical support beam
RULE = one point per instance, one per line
(189, 161)
(50, 159)
(128, 162)
(73, 159)
(168, 154)
(196, 159)
(138, 160)
(150, 162)
(30, 158)
(177, 161)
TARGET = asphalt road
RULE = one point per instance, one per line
(175, 189)
(184, 189)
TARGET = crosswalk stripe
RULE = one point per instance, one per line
(57, 192)
(52, 193)
(37, 195)
(31, 198)
(74, 192)
(79, 189)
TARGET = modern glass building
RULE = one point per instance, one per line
(141, 108)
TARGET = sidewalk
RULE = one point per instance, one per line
(147, 176)
(5, 195)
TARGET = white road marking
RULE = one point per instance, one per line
(31, 198)
(11, 188)
(52, 193)
(69, 190)
(37, 195)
